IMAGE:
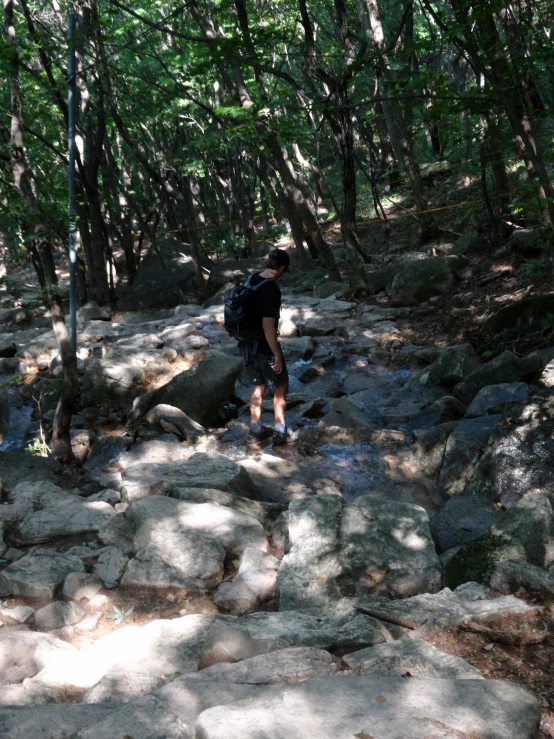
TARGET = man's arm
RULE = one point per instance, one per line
(270, 330)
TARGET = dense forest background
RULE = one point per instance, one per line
(218, 121)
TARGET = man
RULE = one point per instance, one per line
(264, 359)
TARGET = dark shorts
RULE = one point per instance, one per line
(260, 372)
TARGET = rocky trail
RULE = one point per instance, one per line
(390, 575)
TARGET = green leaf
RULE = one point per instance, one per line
(236, 562)
(110, 585)
(174, 675)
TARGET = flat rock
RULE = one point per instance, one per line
(111, 564)
(57, 615)
(265, 513)
(120, 686)
(496, 398)
(512, 576)
(505, 368)
(35, 496)
(343, 707)
(201, 470)
(253, 584)
(413, 656)
(152, 452)
(38, 573)
(66, 520)
(54, 721)
(462, 519)
(17, 615)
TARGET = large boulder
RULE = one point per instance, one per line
(24, 653)
(451, 367)
(525, 532)
(390, 707)
(462, 519)
(234, 271)
(497, 398)
(420, 280)
(200, 391)
(79, 517)
(106, 379)
(16, 467)
(506, 367)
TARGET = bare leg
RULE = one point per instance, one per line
(256, 403)
(280, 403)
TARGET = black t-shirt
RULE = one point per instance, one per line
(267, 301)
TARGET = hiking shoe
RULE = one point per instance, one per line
(288, 436)
(264, 433)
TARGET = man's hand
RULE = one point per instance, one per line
(278, 364)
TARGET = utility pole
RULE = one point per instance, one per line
(71, 115)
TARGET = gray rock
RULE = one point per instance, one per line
(463, 449)
(111, 564)
(120, 686)
(253, 584)
(328, 288)
(58, 614)
(462, 519)
(24, 653)
(18, 614)
(445, 608)
(341, 707)
(474, 591)
(54, 721)
(414, 656)
(201, 470)
(504, 368)
(81, 443)
(526, 240)
(152, 452)
(3, 546)
(282, 666)
(35, 496)
(106, 379)
(174, 421)
(200, 391)
(468, 242)
(80, 585)
(105, 450)
(513, 575)
(322, 326)
(109, 495)
(417, 281)
(38, 573)
(265, 513)
(4, 416)
(497, 398)
(524, 533)
(17, 467)
(425, 457)
(66, 520)
(298, 348)
(451, 367)
(233, 271)
(91, 311)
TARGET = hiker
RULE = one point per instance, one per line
(263, 357)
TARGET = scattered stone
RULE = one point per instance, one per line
(111, 564)
(497, 398)
(515, 626)
(511, 576)
(79, 585)
(58, 614)
(452, 366)
(347, 706)
(38, 573)
(505, 368)
(415, 657)
(253, 584)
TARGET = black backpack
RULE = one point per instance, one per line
(240, 304)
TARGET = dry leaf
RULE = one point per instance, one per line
(380, 699)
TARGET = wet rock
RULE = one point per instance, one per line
(316, 369)
(24, 653)
(105, 450)
(412, 656)
(462, 519)
(418, 280)
(497, 398)
(38, 573)
(173, 421)
(79, 585)
(111, 564)
(58, 614)
(524, 533)
(282, 666)
(201, 470)
(512, 576)
(463, 449)
(334, 706)
(452, 366)
(66, 520)
(200, 391)
(425, 457)
(152, 452)
(504, 368)
(253, 584)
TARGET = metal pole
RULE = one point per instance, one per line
(71, 110)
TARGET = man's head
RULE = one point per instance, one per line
(278, 261)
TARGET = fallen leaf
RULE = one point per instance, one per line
(380, 699)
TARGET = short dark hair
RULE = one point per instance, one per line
(272, 263)
(276, 259)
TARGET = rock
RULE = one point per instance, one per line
(152, 362)
(200, 391)
(526, 241)
(265, 513)
(516, 626)
(105, 450)
(173, 421)
(18, 614)
(17, 467)
(443, 608)
(497, 398)
(417, 281)
(322, 326)
(8, 349)
(521, 315)
(91, 311)
(152, 452)
(448, 408)
(38, 573)
(412, 656)
(109, 495)
(111, 564)
(39, 495)
(4, 416)
(535, 362)
(283, 666)
(524, 533)
(118, 686)
(513, 575)
(474, 591)
(201, 470)
(301, 348)
(468, 243)
(3, 546)
(342, 707)
(81, 443)
(79, 585)
(462, 519)
(234, 271)
(105, 379)
(505, 368)
(463, 449)
(66, 520)
(24, 653)
(58, 614)
(316, 369)
(425, 457)
(253, 584)
(328, 288)
(451, 367)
